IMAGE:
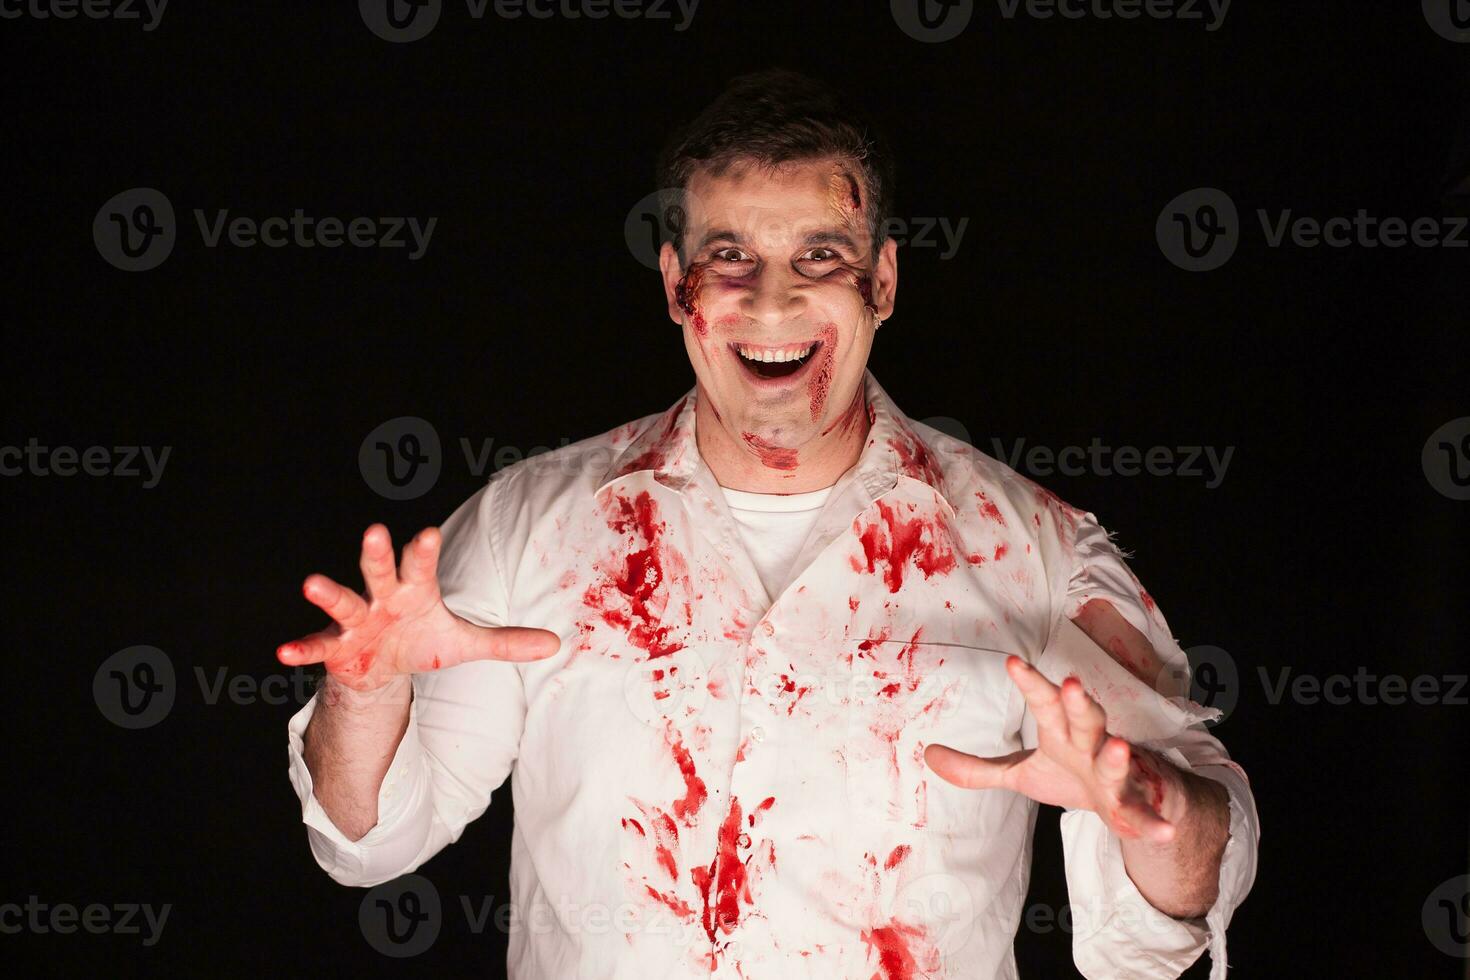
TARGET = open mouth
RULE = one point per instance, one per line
(772, 363)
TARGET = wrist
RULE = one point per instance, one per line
(395, 692)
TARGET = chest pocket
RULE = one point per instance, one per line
(905, 696)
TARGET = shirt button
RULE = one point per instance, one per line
(758, 733)
(743, 840)
(768, 629)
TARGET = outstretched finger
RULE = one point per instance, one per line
(970, 771)
(1112, 764)
(420, 557)
(1041, 694)
(342, 604)
(378, 573)
(1085, 716)
(313, 649)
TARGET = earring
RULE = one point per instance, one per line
(877, 322)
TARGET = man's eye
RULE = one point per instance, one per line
(730, 255)
(820, 255)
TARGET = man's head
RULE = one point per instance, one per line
(780, 254)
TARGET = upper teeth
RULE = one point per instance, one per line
(758, 354)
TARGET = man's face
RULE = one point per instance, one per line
(778, 298)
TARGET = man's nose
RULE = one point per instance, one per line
(778, 296)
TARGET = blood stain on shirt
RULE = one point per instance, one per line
(911, 540)
(988, 510)
(633, 598)
(694, 788)
(723, 884)
(894, 944)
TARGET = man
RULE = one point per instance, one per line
(779, 675)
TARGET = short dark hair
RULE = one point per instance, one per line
(773, 117)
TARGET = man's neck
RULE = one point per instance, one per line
(816, 465)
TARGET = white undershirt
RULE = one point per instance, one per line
(773, 527)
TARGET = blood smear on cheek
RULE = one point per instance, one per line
(686, 294)
(821, 382)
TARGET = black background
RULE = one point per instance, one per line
(528, 321)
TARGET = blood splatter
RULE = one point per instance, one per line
(629, 598)
(686, 294)
(850, 415)
(723, 884)
(896, 856)
(1152, 779)
(913, 540)
(694, 788)
(914, 459)
(821, 381)
(894, 955)
(989, 511)
(676, 905)
(775, 457)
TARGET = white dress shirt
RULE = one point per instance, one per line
(707, 783)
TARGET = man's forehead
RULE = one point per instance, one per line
(810, 201)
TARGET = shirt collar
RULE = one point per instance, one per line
(668, 451)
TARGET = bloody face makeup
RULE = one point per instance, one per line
(777, 300)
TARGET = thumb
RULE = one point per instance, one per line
(970, 771)
(514, 643)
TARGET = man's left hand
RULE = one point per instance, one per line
(1076, 764)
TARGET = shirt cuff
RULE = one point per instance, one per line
(392, 846)
(1116, 931)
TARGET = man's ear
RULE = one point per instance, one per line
(672, 271)
(885, 279)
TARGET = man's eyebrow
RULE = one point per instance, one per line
(720, 235)
(825, 237)
(831, 238)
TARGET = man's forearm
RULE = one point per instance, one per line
(1182, 878)
(349, 745)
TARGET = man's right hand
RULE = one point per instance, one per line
(400, 624)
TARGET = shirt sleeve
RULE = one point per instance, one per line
(463, 730)
(1116, 931)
